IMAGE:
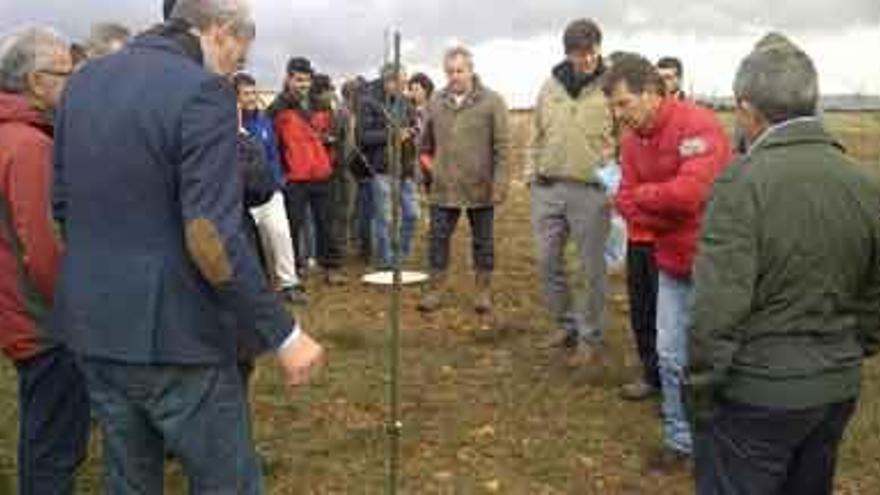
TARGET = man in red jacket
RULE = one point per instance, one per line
(53, 404)
(305, 131)
(672, 150)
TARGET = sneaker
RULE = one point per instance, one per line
(295, 295)
(638, 390)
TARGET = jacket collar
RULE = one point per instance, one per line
(174, 37)
(799, 130)
(573, 82)
(661, 118)
(448, 97)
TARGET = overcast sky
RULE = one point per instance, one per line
(517, 41)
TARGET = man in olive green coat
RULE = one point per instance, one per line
(787, 291)
(467, 140)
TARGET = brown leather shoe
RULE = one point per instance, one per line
(432, 298)
(562, 340)
(665, 462)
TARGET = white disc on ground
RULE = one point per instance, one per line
(387, 278)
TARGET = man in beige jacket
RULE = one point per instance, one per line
(568, 200)
(466, 137)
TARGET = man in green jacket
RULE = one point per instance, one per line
(787, 291)
(467, 139)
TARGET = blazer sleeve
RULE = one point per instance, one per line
(212, 209)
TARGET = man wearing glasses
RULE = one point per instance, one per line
(53, 404)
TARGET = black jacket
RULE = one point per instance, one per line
(373, 123)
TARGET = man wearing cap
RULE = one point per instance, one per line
(383, 102)
(786, 291)
(568, 200)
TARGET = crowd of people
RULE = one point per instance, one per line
(157, 216)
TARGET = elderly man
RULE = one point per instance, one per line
(466, 135)
(671, 153)
(568, 200)
(787, 291)
(53, 405)
(159, 279)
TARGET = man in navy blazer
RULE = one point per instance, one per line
(158, 277)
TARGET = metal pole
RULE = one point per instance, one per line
(395, 170)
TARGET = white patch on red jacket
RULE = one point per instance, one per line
(694, 146)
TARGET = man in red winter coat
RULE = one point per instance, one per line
(53, 404)
(304, 131)
(672, 151)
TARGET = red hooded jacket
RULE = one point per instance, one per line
(29, 247)
(668, 173)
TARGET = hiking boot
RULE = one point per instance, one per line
(483, 303)
(432, 298)
(638, 390)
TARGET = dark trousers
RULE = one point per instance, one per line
(54, 423)
(443, 223)
(364, 211)
(312, 196)
(198, 414)
(641, 281)
(749, 450)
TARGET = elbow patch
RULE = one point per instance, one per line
(208, 251)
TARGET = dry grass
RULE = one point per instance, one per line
(485, 411)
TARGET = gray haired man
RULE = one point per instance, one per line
(160, 283)
(787, 291)
(53, 405)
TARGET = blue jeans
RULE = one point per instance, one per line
(54, 423)
(196, 413)
(409, 216)
(673, 319)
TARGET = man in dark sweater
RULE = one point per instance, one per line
(787, 291)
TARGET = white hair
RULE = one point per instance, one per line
(203, 14)
(26, 51)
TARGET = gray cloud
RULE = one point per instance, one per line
(344, 36)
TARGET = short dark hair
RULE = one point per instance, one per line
(637, 72)
(424, 81)
(671, 63)
(301, 65)
(242, 79)
(581, 34)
